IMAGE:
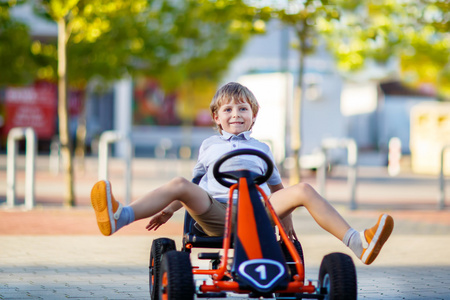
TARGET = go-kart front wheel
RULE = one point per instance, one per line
(337, 277)
(159, 247)
(176, 279)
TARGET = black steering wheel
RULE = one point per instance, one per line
(220, 176)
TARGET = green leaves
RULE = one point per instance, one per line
(16, 64)
(414, 33)
(174, 41)
(59, 9)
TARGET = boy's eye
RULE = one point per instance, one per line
(244, 108)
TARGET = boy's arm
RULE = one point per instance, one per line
(171, 208)
(288, 226)
(163, 216)
(276, 187)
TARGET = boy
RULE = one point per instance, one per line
(234, 109)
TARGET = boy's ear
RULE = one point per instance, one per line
(216, 119)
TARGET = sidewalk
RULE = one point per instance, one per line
(54, 252)
(414, 263)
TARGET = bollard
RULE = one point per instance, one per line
(161, 149)
(394, 156)
(352, 160)
(321, 173)
(441, 198)
(55, 156)
(107, 138)
(14, 135)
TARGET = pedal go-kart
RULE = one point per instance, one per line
(261, 266)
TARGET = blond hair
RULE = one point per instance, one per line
(230, 92)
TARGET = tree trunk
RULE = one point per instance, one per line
(80, 149)
(63, 115)
(296, 136)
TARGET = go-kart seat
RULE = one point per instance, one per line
(195, 236)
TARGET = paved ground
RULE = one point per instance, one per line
(54, 252)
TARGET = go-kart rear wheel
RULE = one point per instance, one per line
(288, 256)
(159, 247)
(337, 277)
(176, 279)
(292, 267)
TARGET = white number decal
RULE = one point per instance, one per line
(250, 270)
(262, 272)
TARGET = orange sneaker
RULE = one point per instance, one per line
(374, 238)
(107, 209)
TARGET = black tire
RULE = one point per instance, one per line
(288, 256)
(337, 277)
(176, 279)
(292, 268)
(159, 247)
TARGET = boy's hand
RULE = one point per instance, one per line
(157, 220)
(288, 226)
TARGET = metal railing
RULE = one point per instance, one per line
(14, 135)
(107, 138)
(352, 160)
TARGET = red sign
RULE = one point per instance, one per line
(32, 106)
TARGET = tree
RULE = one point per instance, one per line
(175, 42)
(78, 21)
(207, 36)
(15, 45)
(180, 43)
(356, 32)
(185, 45)
(415, 35)
(303, 17)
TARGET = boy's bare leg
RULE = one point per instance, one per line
(286, 200)
(112, 215)
(193, 198)
(366, 244)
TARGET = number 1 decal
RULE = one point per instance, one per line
(262, 272)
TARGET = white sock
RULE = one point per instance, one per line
(126, 217)
(352, 239)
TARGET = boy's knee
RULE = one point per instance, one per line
(303, 188)
(305, 192)
(179, 183)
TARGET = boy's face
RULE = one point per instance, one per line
(235, 117)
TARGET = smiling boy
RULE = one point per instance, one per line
(234, 109)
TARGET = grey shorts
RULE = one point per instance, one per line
(213, 220)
